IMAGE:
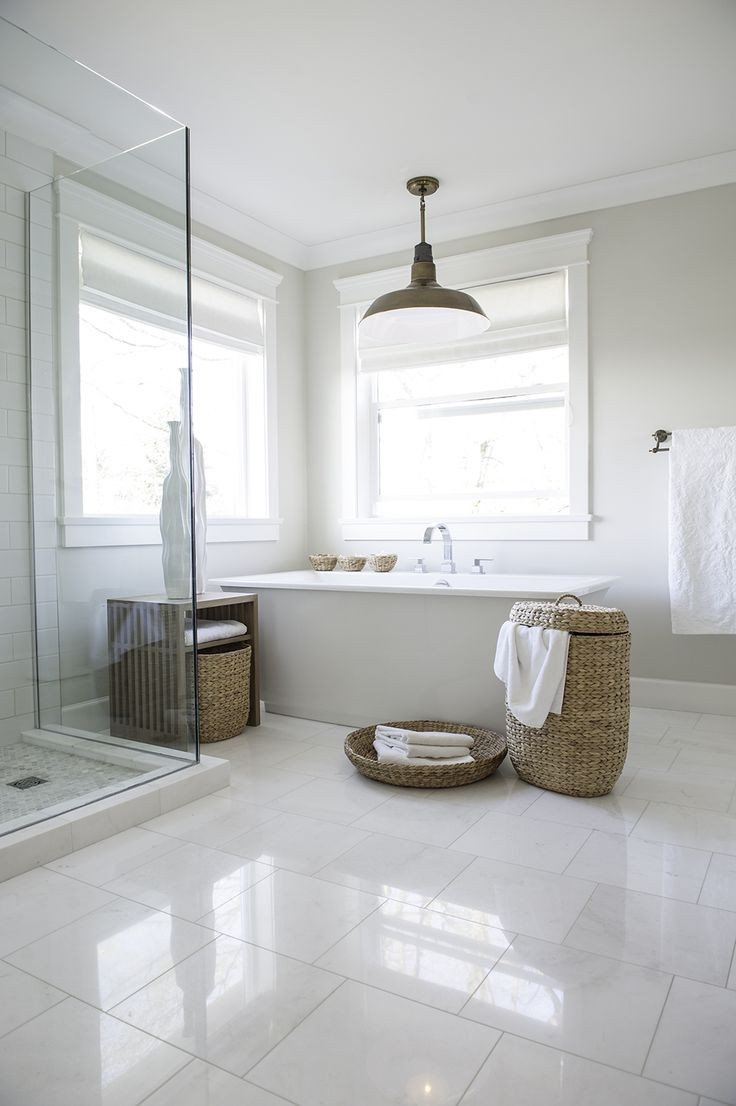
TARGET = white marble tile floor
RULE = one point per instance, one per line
(309, 938)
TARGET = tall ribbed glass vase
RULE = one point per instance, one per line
(175, 520)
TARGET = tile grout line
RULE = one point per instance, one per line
(493, 966)
(208, 1063)
(578, 916)
(64, 996)
(247, 1072)
(576, 854)
(705, 877)
(63, 925)
(731, 968)
(214, 935)
(165, 1083)
(602, 1064)
(480, 1067)
(656, 1028)
(313, 963)
(643, 811)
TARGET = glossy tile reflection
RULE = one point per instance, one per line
(309, 938)
(418, 953)
(521, 1073)
(379, 1050)
(678, 937)
(515, 898)
(293, 914)
(89, 1059)
(200, 1084)
(112, 952)
(590, 1005)
(229, 1003)
(190, 881)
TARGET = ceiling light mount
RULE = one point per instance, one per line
(422, 186)
(424, 311)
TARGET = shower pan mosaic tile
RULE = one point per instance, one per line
(65, 777)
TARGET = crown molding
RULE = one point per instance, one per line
(51, 130)
(629, 188)
(213, 213)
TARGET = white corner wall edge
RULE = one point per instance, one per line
(686, 695)
(33, 846)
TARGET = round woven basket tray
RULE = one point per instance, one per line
(487, 752)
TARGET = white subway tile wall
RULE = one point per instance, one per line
(23, 167)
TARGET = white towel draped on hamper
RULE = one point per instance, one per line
(702, 531)
(532, 662)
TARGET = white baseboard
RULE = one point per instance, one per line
(683, 695)
(319, 713)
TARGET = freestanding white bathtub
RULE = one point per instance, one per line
(361, 647)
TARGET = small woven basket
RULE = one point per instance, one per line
(382, 562)
(224, 692)
(323, 562)
(582, 750)
(351, 564)
(487, 752)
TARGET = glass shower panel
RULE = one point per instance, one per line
(110, 439)
(104, 281)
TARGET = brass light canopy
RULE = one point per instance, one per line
(424, 311)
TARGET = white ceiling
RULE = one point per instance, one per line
(309, 115)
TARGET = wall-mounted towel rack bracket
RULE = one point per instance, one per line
(660, 437)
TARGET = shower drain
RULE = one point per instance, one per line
(26, 782)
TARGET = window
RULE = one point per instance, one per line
(128, 373)
(490, 432)
(123, 344)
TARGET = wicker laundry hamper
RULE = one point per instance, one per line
(224, 692)
(582, 750)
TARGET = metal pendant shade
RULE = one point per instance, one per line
(424, 311)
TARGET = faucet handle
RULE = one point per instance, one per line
(478, 565)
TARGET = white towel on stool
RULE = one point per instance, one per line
(396, 755)
(532, 662)
(702, 531)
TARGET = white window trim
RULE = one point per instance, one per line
(540, 255)
(82, 207)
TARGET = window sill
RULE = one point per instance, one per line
(101, 530)
(527, 528)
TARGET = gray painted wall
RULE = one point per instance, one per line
(662, 353)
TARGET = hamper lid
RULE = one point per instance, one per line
(568, 612)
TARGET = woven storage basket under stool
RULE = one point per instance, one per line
(224, 692)
(582, 750)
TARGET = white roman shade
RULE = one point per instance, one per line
(123, 274)
(527, 313)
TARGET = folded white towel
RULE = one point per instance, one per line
(392, 754)
(702, 529)
(424, 737)
(209, 630)
(532, 662)
(432, 752)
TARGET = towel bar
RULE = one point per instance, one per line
(661, 436)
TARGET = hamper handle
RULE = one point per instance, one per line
(568, 595)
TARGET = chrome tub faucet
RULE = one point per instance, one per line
(448, 565)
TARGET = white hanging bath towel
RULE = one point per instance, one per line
(532, 662)
(702, 524)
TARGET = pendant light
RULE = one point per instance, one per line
(423, 311)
